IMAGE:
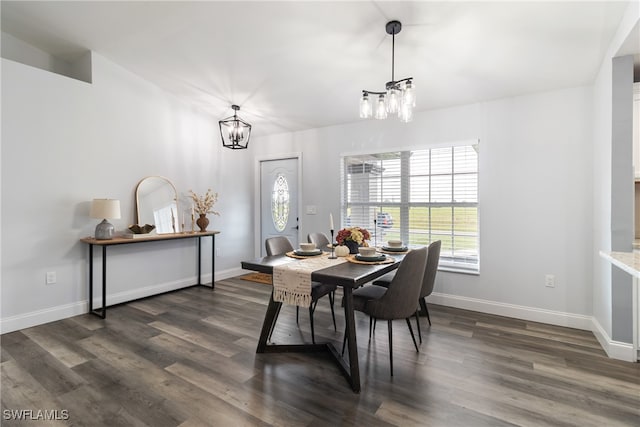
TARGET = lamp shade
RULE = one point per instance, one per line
(105, 208)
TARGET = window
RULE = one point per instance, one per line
(418, 196)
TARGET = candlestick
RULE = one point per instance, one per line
(375, 233)
(333, 256)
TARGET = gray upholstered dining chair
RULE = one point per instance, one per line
(280, 245)
(320, 239)
(429, 279)
(397, 301)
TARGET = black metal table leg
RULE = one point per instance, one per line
(199, 259)
(354, 377)
(213, 260)
(102, 312)
(350, 371)
(269, 323)
(90, 278)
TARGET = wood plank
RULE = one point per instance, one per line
(188, 358)
(259, 405)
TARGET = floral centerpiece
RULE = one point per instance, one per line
(353, 237)
(202, 205)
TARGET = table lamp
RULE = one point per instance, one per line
(105, 208)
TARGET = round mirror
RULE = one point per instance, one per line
(157, 204)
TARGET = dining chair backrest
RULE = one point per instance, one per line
(320, 239)
(401, 298)
(432, 268)
(278, 245)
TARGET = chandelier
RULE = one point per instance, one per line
(234, 131)
(398, 98)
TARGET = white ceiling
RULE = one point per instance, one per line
(296, 65)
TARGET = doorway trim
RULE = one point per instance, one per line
(257, 232)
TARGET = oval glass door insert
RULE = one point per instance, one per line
(280, 203)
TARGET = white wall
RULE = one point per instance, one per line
(65, 142)
(602, 178)
(535, 195)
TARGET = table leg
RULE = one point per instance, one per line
(213, 260)
(104, 282)
(269, 323)
(199, 260)
(354, 366)
(102, 312)
(90, 278)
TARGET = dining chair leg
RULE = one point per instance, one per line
(332, 298)
(390, 346)
(412, 335)
(424, 311)
(418, 325)
(370, 326)
(297, 313)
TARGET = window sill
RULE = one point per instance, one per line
(452, 269)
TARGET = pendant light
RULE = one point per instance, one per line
(234, 131)
(399, 98)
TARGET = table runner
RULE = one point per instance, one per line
(292, 282)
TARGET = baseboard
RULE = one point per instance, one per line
(551, 317)
(231, 272)
(40, 317)
(614, 349)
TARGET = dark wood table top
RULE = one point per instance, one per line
(342, 274)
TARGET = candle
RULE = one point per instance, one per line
(331, 222)
(192, 211)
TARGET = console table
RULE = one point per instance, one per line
(102, 312)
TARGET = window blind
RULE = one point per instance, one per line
(418, 196)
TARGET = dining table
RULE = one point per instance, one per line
(349, 276)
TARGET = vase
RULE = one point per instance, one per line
(202, 222)
(353, 246)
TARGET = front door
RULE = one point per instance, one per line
(279, 200)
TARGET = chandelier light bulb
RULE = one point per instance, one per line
(236, 133)
(381, 108)
(409, 94)
(405, 113)
(365, 107)
(393, 100)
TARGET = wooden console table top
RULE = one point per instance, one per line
(154, 237)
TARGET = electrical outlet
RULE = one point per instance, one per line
(50, 277)
(311, 210)
(218, 252)
(550, 281)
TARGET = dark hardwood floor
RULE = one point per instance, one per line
(188, 358)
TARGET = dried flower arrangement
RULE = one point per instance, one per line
(356, 234)
(202, 205)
